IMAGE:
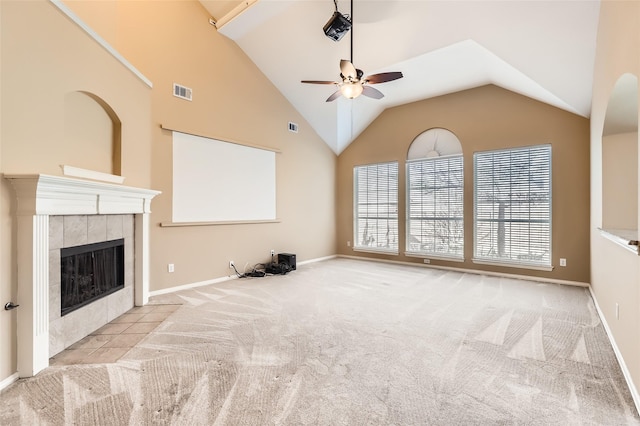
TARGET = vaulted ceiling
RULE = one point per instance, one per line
(541, 49)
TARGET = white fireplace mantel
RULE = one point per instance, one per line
(40, 196)
(57, 195)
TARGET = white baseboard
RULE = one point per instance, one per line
(222, 279)
(191, 285)
(623, 366)
(317, 259)
(9, 380)
(472, 271)
(320, 259)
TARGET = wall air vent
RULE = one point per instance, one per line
(293, 127)
(182, 92)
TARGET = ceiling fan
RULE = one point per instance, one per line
(353, 83)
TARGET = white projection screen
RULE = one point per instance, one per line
(217, 181)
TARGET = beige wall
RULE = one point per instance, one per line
(48, 57)
(172, 41)
(44, 57)
(619, 181)
(45, 60)
(615, 274)
(41, 73)
(88, 133)
(484, 118)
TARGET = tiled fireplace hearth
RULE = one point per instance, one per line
(54, 212)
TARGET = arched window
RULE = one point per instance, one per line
(435, 195)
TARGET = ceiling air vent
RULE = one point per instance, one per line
(293, 127)
(182, 92)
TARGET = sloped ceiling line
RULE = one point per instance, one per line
(543, 50)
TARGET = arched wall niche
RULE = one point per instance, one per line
(620, 159)
(93, 133)
(434, 142)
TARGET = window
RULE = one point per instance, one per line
(435, 206)
(376, 207)
(512, 190)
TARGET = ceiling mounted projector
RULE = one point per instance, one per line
(337, 26)
(353, 83)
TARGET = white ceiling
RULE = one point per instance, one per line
(541, 49)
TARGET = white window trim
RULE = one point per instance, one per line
(427, 254)
(370, 249)
(519, 265)
(507, 263)
(374, 250)
(422, 255)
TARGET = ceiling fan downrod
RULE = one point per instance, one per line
(353, 83)
(352, 29)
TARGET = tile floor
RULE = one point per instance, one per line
(111, 342)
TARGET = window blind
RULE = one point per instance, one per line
(376, 207)
(512, 206)
(435, 206)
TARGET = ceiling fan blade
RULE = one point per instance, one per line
(372, 93)
(335, 96)
(318, 82)
(383, 77)
(348, 70)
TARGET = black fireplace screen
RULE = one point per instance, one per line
(90, 272)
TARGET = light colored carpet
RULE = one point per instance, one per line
(348, 342)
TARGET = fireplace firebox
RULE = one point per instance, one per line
(90, 272)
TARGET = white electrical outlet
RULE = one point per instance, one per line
(273, 252)
(348, 243)
(171, 267)
(563, 261)
(231, 264)
(426, 261)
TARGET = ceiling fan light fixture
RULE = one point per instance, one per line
(351, 90)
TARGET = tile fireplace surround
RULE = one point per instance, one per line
(40, 197)
(73, 231)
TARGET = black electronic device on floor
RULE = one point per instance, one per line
(288, 259)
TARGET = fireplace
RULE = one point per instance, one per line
(54, 212)
(90, 272)
(86, 289)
